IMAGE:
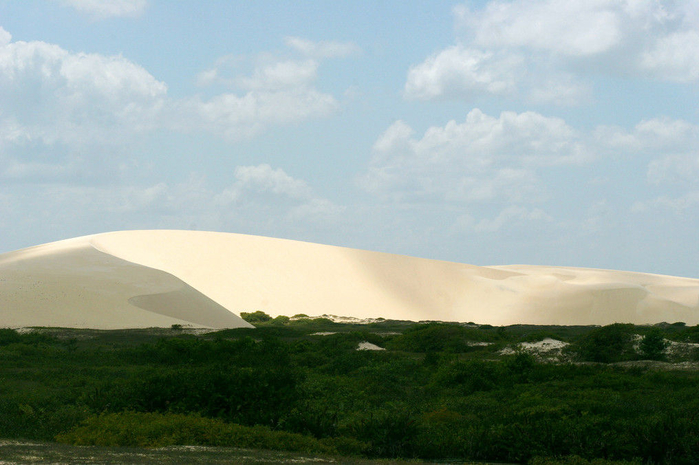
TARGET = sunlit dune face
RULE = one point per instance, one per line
(160, 278)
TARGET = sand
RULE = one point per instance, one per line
(72, 284)
(159, 278)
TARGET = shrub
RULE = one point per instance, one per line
(255, 317)
(135, 429)
(608, 344)
(653, 345)
(439, 337)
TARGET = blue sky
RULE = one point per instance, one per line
(493, 132)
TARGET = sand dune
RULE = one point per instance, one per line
(158, 278)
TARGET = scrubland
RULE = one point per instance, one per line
(465, 392)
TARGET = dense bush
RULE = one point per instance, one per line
(613, 343)
(653, 345)
(292, 389)
(441, 337)
(158, 430)
(255, 317)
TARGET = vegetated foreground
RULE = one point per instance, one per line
(516, 394)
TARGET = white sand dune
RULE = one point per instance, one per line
(159, 278)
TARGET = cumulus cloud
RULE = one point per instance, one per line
(674, 57)
(548, 51)
(103, 9)
(263, 179)
(483, 158)
(268, 189)
(655, 137)
(507, 163)
(570, 28)
(459, 71)
(65, 115)
(52, 95)
(237, 117)
(278, 90)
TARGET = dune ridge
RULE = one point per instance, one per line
(163, 277)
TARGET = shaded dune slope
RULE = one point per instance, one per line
(72, 284)
(159, 278)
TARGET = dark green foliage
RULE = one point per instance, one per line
(442, 337)
(255, 317)
(613, 343)
(653, 344)
(158, 430)
(430, 395)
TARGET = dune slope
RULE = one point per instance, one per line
(157, 278)
(72, 284)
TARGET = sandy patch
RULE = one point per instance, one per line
(547, 346)
(368, 346)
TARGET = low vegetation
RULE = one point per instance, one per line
(613, 394)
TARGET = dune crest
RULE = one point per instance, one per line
(163, 277)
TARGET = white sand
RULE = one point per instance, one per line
(71, 284)
(281, 277)
(365, 345)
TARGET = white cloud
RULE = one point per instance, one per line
(563, 89)
(273, 192)
(55, 96)
(264, 179)
(5, 37)
(674, 170)
(65, 115)
(323, 49)
(656, 136)
(549, 51)
(488, 162)
(674, 57)
(237, 117)
(482, 159)
(560, 26)
(103, 9)
(462, 72)
(278, 90)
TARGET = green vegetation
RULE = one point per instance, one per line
(438, 392)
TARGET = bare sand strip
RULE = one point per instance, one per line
(134, 279)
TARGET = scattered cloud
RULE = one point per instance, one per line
(491, 162)
(549, 51)
(462, 72)
(569, 28)
(323, 49)
(677, 205)
(103, 9)
(278, 90)
(674, 170)
(510, 215)
(55, 96)
(483, 159)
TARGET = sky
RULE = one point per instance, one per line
(542, 132)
